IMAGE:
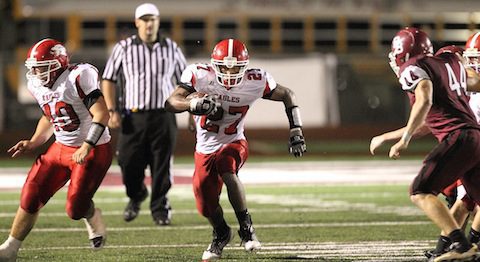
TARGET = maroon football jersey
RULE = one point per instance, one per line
(450, 109)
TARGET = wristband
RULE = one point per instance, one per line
(112, 110)
(406, 137)
(94, 133)
(293, 114)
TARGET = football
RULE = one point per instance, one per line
(195, 95)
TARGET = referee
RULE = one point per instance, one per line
(149, 63)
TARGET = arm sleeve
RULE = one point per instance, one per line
(88, 81)
(411, 76)
(270, 85)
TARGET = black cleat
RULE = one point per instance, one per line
(133, 208)
(97, 242)
(97, 233)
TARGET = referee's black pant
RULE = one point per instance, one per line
(148, 138)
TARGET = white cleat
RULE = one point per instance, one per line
(252, 245)
(97, 232)
(249, 239)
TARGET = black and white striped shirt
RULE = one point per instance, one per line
(149, 72)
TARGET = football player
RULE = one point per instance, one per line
(75, 112)
(224, 91)
(464, 205)
(436, 87)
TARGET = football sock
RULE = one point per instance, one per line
(221, 228)
(474, 236)
(458, 236)
(243, 218)
(442, 244)
(12, 243)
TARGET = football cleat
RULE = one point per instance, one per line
(249, 238)
(455, 255)
(96, 230)
(432, 254)
(214, 250)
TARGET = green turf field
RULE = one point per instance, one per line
(293, 222)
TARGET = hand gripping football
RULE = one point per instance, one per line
(202, 104)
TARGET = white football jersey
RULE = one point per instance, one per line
(475, 104)
(227, 125)
(64, 107)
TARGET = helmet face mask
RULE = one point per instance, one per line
(472, 53)
(46, 60)
(229, 61)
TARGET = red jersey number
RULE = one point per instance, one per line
(63, 112)
(229, 130)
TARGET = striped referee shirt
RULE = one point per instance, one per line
(149, 72)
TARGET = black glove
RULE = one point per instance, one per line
(297, 142)
(207, 105)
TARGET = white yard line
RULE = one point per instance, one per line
(358, 251)
(292, 225)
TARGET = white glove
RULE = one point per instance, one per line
(206, 105)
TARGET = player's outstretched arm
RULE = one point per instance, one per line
(297, 145)
(418, 114)
(43, 132)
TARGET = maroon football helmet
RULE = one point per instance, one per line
(472, 52)
(450, 49)
(408, 43)
(229, 54)
(46, 60)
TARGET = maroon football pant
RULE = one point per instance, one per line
(207, 181)
(456, 157)
(52, 170)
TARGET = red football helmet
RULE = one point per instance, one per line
(46, 60)
(472, 52)
(230, 60)
(407, 43)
